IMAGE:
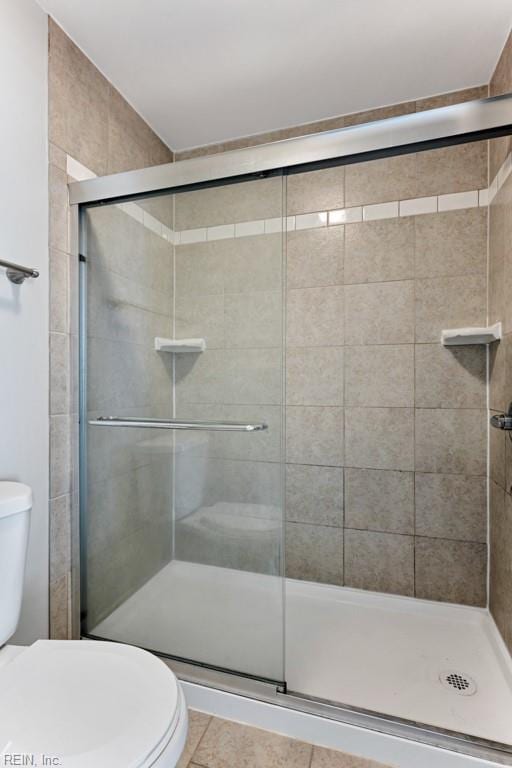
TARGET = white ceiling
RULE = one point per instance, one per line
(202, 71)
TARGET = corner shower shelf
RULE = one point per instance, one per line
(460, 336)
(179, 346)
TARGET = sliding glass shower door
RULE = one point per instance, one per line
(182, 425)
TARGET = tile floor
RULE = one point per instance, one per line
(215, 743)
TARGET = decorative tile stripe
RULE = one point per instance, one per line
(417, 206)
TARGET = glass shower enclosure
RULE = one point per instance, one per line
(182, 425)
(303, 284)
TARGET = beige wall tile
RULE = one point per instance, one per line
(380, 562)
(451, 441)
(501, 82)
(500, 585)
(252, 376)
(60, 455)
(241, 265)
(452, 243)
(160, 152)
(253, 319)
(496, 291)
(315, 191)
(199, 269)
(318, 126)
(57, 157)
(315, 317)
(379, 500)
(60, 537)
(393, 178)
(251, 263)
(314, 376)
(315, 257)
(60, 373)
(381, 113)
(59, 608)
(58, 224)
(59, 292)
(379, 375)
(123, 376)
(314, 495)
(452, 169)
(381, 313)
(448, 302)
(497, 455)
(246, 201)
(379, 438)
(314, 553)
(130, 139)
(497, 374)
(229, 745)
(78, 103)
(124, 153)
(234, 376)
(161, 207)
(451, 571)
(455, 97)
(378, 251)
(314, 435)
(504, 200)
(451, 507)
(450, 377)
(200, 317)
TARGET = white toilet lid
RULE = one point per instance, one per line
(88, 703)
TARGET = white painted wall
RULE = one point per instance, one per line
(24, 309)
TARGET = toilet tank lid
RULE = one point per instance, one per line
(14, 498)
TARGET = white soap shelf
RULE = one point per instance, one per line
(454, 337)
(179, 346)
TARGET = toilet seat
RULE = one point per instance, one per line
(89, 703)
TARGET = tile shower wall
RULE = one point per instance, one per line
(90, 122)
(500, 365)
(228, 502)
(386, 429)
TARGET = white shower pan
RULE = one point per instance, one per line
(382, 653)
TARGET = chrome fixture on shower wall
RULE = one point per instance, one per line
(16, 273)
(503, 420)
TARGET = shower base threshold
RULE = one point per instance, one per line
(434, 663)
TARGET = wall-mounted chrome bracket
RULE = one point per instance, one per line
(503, 420)
(16, 273)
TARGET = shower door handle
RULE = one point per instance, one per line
(208, 426)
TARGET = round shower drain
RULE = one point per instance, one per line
(458, 682)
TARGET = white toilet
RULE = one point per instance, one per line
(88, 704)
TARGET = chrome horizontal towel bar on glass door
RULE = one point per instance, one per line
(209, 426)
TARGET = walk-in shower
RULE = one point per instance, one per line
(283, 472)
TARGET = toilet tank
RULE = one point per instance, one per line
(15, 506)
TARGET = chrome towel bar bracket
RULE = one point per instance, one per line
(503, 420)
(16, 273)
(208, 426)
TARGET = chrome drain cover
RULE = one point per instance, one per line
(458, 682)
